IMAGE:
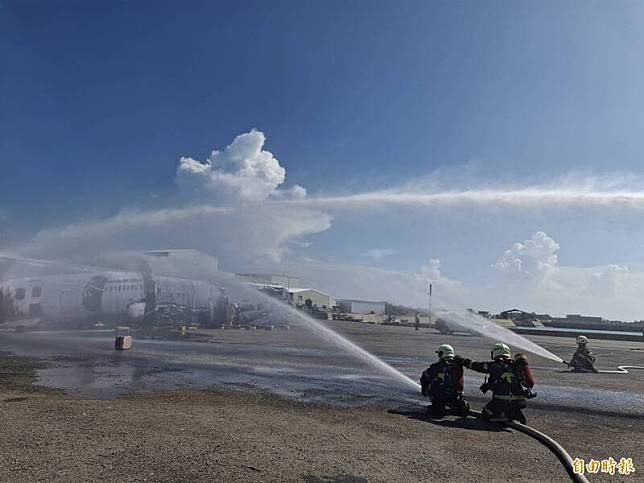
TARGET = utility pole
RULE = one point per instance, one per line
(288, 279)
(429, 316)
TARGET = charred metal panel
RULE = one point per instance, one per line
(93, 294)
(3, 316)
(9, 310)
(150, 291)
(35, 310)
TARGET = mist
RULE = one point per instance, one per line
(238, 207)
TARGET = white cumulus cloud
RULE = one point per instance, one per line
(242, 171)
(533, 259)
(296, 192)
(606, 282)
(236, 212)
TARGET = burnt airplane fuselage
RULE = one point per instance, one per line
(74, 300)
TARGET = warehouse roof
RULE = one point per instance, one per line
(362, 301)
(295, 290)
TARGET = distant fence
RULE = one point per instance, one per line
(622, 327)
(635, 336)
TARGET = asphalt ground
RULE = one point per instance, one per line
(328, 415)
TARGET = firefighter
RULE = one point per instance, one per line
(510, 381)
(442, 383)
(582, 360)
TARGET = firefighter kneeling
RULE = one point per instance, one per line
(583, 360)
(442, 383)
(510, 381)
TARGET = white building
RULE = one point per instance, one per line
(361, 307)
(317, 298)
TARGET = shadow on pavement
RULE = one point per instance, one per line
(420, 414)
(334, 479)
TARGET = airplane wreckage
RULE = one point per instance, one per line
(89, 296)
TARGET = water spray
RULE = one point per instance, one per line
(463, 318)
(487, 328)
(529, 196)
(288, 312)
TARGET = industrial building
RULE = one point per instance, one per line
(309, 296)
(268, 279)
(361, 306)
(580, 319)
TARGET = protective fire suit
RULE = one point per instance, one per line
(511, 383)
(583, 360)
(442, 383)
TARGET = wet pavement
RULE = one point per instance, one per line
(86, 365)
(299, 365)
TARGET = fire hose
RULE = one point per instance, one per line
(549, 443)
(621, 370)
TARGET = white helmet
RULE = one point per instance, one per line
(500, 350)
(582, 339)
(445, 351)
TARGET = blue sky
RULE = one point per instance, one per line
(100, 100)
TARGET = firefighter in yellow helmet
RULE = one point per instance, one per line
(510, 381)
(442, 383)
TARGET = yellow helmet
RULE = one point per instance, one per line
(500, 350)
(445, 351)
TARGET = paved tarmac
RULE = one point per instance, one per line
(254, 405)
(298, 364)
